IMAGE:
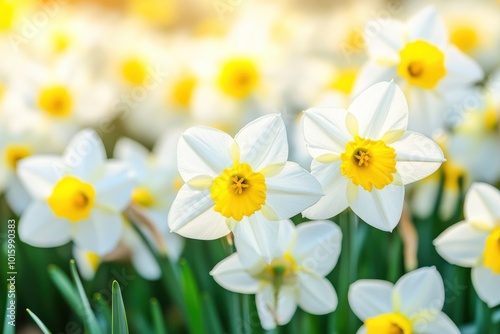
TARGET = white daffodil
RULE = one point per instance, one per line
(240, 184)
(417, 54)
(296, 275)
(76, 197)
(364, 156)
(158, 182)
(474, 242)
(412, 305)
(131, 247)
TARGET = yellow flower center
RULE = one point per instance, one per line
(143, 197)
(7, 14)
(368, 163)
(177, 184)
(465, 37)
(344, 81)
(134, 71)
(238, 191)
(3, 89)
(60, 41)
(238, 77)
(280, 271)
(492, 251)
(422, 64)
(452, 175)
(354, 40)
(55, 100)
(183, 89)
(93, 259)
(14, 153)
(390, 323)
(72, 199)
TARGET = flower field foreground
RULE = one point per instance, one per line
(171, 166)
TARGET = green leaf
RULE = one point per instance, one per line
(192, 298)
(119, 318)
(89, 319)
(39, 322)
(158, 322)
(66, 288)
(103, 309)
(211, 316)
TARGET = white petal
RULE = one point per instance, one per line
(416, 157)
(424, 197)
(175, 245)
(379, 109)
(259, 234)
(461, 70)
(291, 191)
(38, 227)
(192, 215)
(362, 330)
(17, 197)
(263, 142)
(230, 274)
(325, 131)
(380, 208)
(335, 188)
(428, 25)
(461, 244)
(384, 39)
(441, 324)
(133, 153)
(418, 291)
(270, 310)
(316, 294)
(39, 174)
(99, 233)
(142, 258)
(486, 284)
(84, 154)
(114, 186)
(370, 298)
(426, 111)
(371, 73)
(317, 246)
(84, 266)
(482, 205)
(203, 151)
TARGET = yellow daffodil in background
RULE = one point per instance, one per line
(241, 184)
(417, 54)
(411, 306)
(76, 197)
(295, 276)
(474, 242)
(364, 156)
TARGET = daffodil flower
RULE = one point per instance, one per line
(417, 54)
(364, 156)
(295, 276)
(77, 197)
(239, 184)
(158, 181)
(411, 306)
(475, 242)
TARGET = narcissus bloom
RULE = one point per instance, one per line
(364, 156)
(296, 275)
(239, 184)
(411, 306)
(475, 242)
(417, 54)
(77, 197)
(157, 184)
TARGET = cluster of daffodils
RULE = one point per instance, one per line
(82, 197)
(362, 159)
(225, 143)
